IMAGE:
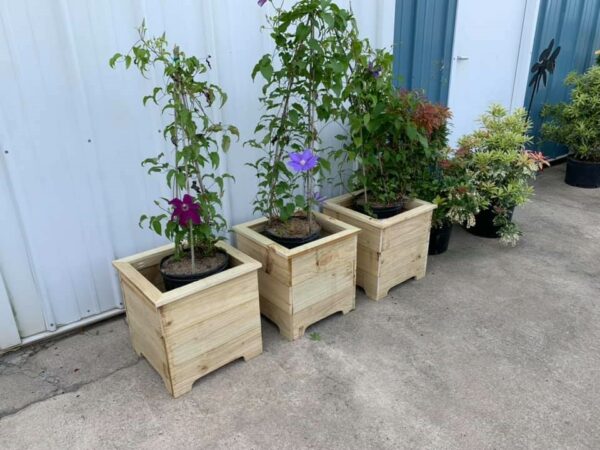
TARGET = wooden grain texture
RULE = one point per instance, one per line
(301, 286)
(188, 332)
(390, 251)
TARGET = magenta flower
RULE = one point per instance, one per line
(303, 162)
(261, 2)
(185, 210)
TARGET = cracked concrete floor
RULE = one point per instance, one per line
(495, 348)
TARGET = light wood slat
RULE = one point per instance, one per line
(311, 277)
(191, 331)
(391, 250)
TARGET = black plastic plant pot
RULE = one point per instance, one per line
(583, 174)
(439, 239)
(292, 242)
(484, 223)
(381, 212)
(175, 281)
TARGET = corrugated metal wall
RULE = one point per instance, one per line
(575, 26)
(73, 133)
(423, 45)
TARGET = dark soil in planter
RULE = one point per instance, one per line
(179, 273)
(484, 223)
(583, 174)
(379, 211)
(294, 232)
(439, 239)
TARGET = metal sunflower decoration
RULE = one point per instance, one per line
(544, 66)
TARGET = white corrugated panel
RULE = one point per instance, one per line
(73, 133)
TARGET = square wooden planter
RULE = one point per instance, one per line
(191, 331)
(390, 250)
(301, 286)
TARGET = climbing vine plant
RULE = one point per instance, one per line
(191, 217)
(304, 80)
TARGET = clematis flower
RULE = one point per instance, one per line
(261, 2)
(303, 162)
(185, 210)
(375, 71)
(318, 198)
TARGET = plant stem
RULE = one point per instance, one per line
(192, 247)
(311, 123)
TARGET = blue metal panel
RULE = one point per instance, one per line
(575, 26)
(424, 33)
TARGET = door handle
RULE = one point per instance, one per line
(462, 58)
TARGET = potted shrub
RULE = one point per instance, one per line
(446, 183)
(501, 169)
(389, 152)
(191, 306)
(575, 124)
(309, 259)
(449, 187)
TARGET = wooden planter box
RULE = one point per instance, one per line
(301, 286)
(391, 250)
(191, 331)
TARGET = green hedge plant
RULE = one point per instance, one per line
(495, 159)
(384, 143)
(576, 124)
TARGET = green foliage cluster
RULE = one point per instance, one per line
(304, 82)
(187, 98)
(383, 139)
(450, 187)
(494, 158)
(576, 123)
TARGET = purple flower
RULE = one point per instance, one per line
(185, 210)
(375, 71)
(261, 2)
(303, 162)
(318, 198)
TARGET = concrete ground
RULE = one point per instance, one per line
(495, 348)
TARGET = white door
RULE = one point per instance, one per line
(490, 59)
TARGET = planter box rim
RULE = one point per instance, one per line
(246, 229)
(129, 267)
(335, 205)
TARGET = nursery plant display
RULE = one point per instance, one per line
(457, 200)
(308, 258)
(391, 153)
(575, 124)
(501, 169)
(192, 306)
(446, 183)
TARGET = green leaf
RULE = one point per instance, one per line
(266, 70)
(225, 144)
(411, 132)
(114, 59)
(214, 159)
(157, 226)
